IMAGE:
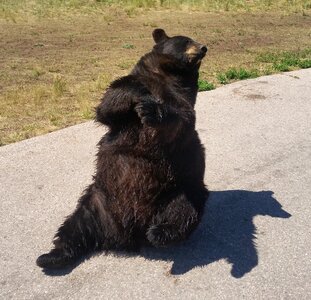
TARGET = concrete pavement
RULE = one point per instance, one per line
(255, 238)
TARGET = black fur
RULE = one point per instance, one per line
(148, 188)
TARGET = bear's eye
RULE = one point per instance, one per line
(189, 42)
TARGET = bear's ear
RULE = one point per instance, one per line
(159, 35)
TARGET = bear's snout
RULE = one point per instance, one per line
(197, 51)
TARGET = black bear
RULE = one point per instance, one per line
(148, 188)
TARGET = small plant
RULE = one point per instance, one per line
(59, 86)
(205, 85)
(227, 6)
(282, 67)
(54, 119)
(36, 73)
(232, 74)
(304, 64)
(221, 77)
(128, 46)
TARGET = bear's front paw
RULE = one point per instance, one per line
(150, 112)
(160, 235)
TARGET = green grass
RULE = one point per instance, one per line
(222, 78)
(128, 46)
(271, 62)
(236, 74)
(305, 64)
(284, 61)
(240, 74)
(204, 85)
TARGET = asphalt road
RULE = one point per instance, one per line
(253, 243)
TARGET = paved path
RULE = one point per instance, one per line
(254, 241)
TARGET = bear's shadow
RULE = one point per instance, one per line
(226, 232)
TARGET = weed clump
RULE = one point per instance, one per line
(204, 85)
(222, 78)
(59, 86)
(304, 64)
(236, 74)
(128, 46)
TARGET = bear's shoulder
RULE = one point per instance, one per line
(126, 81)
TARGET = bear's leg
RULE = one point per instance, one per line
(178, 219)
(89, 228)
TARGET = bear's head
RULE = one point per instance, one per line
(182, 49)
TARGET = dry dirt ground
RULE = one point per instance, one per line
(53, 70)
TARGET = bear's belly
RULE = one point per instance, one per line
(134, 185)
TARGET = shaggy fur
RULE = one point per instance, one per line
(148, 187)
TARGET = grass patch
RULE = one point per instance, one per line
(281, 67)
(304, 64)
(204, 85)
(236, 74)
(222, 78)
(284, 61)
(240, 74)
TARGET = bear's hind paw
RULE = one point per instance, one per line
(161, 235)
(55, 259)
